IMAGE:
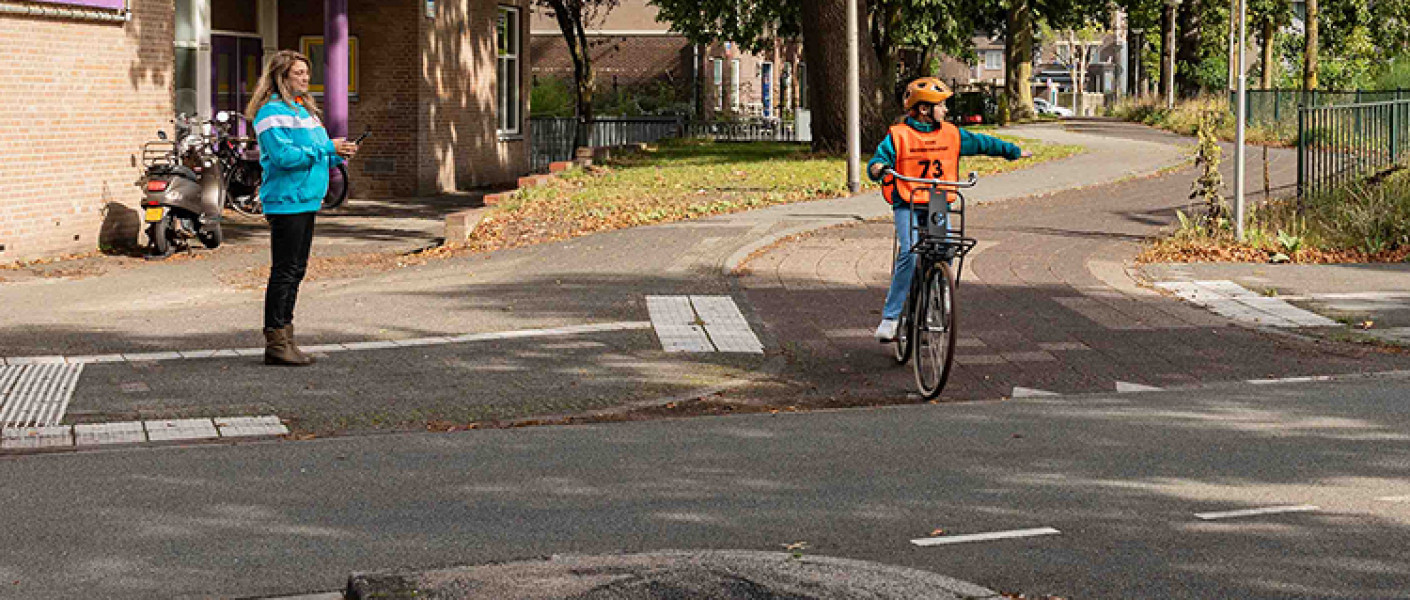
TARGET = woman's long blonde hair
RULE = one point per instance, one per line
(276, 79)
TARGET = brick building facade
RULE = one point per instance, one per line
(631, 49)
(82, 88)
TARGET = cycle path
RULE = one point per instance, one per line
(548, 330)
(1051, 303)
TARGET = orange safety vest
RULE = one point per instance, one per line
(924, 155)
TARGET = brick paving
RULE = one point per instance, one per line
(1038, 305)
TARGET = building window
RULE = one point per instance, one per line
(718, 65)
(507, 33)
(734, 84)
(785, 87)
(312, 47)
(993, 60)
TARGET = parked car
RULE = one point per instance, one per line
(1047, 108)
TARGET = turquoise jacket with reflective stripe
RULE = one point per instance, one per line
(296, 154)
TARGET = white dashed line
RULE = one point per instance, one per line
(1023, 392)
(984, 537)
(1253, 512)
(1394, 499)
(1123, 387)
(325, 348)
(1238, 303)
(1309, 379)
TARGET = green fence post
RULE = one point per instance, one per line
(1301, 155)
(1394, 129)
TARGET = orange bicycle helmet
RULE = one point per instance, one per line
(926, 89)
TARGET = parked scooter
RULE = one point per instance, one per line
(184, 187)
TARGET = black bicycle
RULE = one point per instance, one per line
(927, 325)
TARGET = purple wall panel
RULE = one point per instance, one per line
(111, 4)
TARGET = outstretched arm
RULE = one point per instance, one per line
(972, 144)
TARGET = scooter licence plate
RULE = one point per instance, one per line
(154, 215)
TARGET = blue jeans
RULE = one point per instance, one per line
(906, 220)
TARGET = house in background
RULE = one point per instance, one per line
(442, 84)
(631, 50)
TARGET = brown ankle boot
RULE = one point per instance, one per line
(289, 329)
(278, 350)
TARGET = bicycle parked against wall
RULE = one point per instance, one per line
(927, 328)
(239, 157)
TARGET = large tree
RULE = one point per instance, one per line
(573, 18)
(1309, 56)
(1268, 17)
(885, 28)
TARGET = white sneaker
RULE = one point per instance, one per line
(886, 331)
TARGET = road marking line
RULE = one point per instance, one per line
(1124, 387)
(1251, 512)
(1394, 498)
(983, 537)
(1236, 302)
(1291, 380)
(23, 361)
(1023, 392)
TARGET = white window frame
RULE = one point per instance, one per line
(993, 60)
(718, 66)
(734, 84)
(509, 108)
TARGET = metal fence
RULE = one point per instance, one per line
(745, 131)
(1339, 144)
(553, 136)
(1278, 109)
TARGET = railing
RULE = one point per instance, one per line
(761, 131)
(1340, 144)
(1274, 109)
(553, 136)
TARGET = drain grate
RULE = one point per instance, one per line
(36, 395)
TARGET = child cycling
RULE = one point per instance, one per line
(921, 145)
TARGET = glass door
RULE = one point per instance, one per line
(236, 64)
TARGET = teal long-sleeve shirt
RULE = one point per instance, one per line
(971, 144)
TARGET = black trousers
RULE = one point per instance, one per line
(290, 239)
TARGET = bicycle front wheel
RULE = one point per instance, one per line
(933, 329)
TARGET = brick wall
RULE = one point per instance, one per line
(627, 61)
(387, 34)
(458, 142)
(77, 100)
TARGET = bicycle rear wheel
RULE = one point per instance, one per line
(933, 329)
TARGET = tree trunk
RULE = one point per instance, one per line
(1309, 54)
(1167, 52)
(826, 56)
(1188, 48)
(1270, 37)
(1018, 60)
(570, 22)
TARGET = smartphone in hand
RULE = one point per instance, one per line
(358, 139)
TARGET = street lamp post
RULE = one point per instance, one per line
(854, 102)
(1240, 114)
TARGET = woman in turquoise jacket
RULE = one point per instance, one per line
(296, 155)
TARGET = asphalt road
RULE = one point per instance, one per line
(1120, 476)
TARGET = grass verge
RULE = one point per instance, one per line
(684, 179)
(1368, 222)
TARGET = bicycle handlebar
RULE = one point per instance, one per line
(971, 182)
